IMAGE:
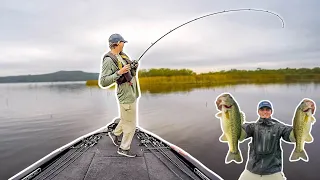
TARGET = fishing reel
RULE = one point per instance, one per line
(126, 77)
(134, 65)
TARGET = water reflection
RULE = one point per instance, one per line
(187, 88)
(73, 86)
(41, 117)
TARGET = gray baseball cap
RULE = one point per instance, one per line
(265, 104)
(115, 38)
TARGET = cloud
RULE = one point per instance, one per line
(42, 37)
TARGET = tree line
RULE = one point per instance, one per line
(187, 72)
(165, 76)
(165, 72)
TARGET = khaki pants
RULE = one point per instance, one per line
(247, 175)
(127, 124)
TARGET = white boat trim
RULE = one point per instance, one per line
(181, 151)
(48, 157)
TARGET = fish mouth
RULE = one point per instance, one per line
(310, 106)
(226, 106)
(223, 100)
(307, 109)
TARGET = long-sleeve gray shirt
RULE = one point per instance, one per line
(126, 93)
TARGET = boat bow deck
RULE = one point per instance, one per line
(101, 161)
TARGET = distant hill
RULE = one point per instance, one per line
(59, 76)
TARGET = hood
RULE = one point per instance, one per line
(266, 121)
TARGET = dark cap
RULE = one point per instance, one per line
(265, 104)
(115, 38)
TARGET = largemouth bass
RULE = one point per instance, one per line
(302, 121)
(231, 121)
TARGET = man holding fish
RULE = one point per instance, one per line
(265, 151)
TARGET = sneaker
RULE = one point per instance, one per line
(114, 138)
(125, 153)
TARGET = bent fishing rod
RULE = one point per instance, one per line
(211, 14)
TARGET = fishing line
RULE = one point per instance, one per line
(220, 12)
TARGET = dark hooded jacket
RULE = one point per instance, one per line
(265, 154)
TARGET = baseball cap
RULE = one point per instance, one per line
(115, 38)
(264, 104)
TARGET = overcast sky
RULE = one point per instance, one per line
(47, 36)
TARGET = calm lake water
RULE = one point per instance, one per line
(37, 118)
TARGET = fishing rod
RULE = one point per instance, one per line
(220, 12)
(62, 163)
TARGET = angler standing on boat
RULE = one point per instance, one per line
(117, 67)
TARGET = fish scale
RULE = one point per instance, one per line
(230, 130)
(231, 119)
(300, 131)
(235, 134)
(301, 128)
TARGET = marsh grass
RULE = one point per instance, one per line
(169, 80)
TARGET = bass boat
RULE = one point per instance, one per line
(94, 156)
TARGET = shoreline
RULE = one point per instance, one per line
(216, 80)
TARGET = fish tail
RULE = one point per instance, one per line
(236, 157)
(296, 155)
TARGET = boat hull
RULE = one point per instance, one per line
(158, 152)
